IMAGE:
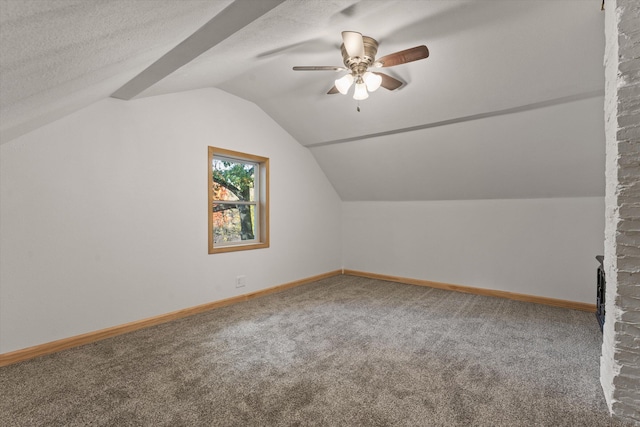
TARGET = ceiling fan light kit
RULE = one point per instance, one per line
(372, 80)
(358, 55)
(344, 83)
(360, 92)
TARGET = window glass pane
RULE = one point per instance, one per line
(233, 223)
(233, 180)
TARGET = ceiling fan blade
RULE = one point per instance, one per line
(318, 68)
(353, 43)
(402, 57)
(389, 82)
(333, 90)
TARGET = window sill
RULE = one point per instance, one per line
(239, 247)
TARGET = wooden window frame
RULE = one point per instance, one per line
(262, 205)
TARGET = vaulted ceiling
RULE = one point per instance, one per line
(505, 102)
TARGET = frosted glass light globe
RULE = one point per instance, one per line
(373, 81)
(360, 92)
(344, 83)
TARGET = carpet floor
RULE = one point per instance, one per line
(344, 351)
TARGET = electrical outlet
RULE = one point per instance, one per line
(241, 281)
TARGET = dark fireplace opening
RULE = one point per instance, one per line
(600, 291)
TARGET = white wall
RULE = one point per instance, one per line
(103, 215)
(543, 247)
(548, 152)
(103, 222)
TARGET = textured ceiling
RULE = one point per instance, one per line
(487, 58)
(61, 55)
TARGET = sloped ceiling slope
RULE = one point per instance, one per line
(504, 71)
(61, 55)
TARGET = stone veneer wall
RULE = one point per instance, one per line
(620, 361)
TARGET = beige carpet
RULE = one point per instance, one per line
(339, 352)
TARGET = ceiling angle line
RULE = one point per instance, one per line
(518, 109)
(231, 19)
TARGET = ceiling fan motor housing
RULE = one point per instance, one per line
(357, 65)
(359, 54)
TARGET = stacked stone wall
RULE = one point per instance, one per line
(620, 363)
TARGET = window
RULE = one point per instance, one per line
(238, 201)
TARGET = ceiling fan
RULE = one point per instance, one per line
(359, 55)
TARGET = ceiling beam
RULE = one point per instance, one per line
(234, 17)
(518, 109)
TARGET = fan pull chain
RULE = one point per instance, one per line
(358, 107)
